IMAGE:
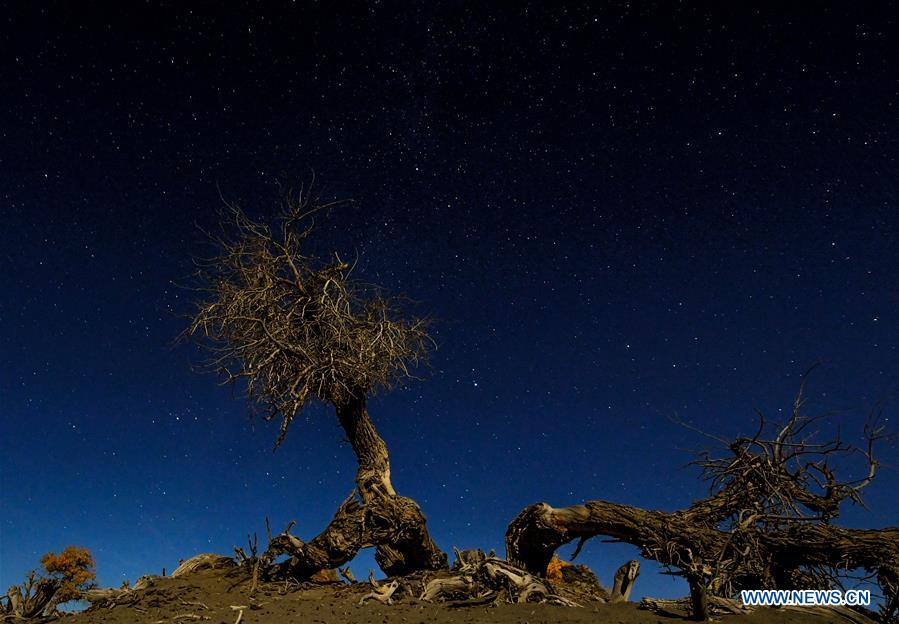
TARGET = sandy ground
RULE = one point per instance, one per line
(209, 596)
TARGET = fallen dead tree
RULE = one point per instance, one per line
(766, 524)
(205, 561)
(484, 579)
(35, 599)
(675, 539)
(477, 579)
(110, 597)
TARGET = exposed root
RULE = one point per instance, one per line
(382, 594)
(446, 588)
(479, 579)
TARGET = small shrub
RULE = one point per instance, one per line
(554, 569)
(74, 568)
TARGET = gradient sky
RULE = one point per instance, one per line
(615, 215)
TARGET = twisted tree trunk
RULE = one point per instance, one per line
(405, 546)
(373, 475)
(393, 523)
(377, 517)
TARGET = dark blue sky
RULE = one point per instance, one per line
(615, 215)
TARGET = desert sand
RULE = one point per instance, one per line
(220, 596)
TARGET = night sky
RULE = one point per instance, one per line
(616, 216)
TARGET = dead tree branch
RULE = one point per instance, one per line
(765, 524)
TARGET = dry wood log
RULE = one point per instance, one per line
(623, 582)
(486, 579)
(347, 574)
(448, 588)
(682, 607)
(99, 595)
(382, 594)
(677, 538)
(767, 523)
(682, 539)
(109, 596)
(205, 561)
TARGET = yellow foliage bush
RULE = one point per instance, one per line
(74, 568)
(554, 569)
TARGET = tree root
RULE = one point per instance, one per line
(480, 579)
(394, 524)
(382, 594)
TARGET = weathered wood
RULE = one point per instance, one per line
(479, 578)
(373, 473)
(377, 517)
(383, 521)
(383, 594)
(623, 581)
(448, 588)
(205, 561)
(683, 539)
(103, 594)
(347, 574)
(412, 547)
(699, 600)
(539, 530)
(33, 599)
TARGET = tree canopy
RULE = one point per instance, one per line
(295, 326)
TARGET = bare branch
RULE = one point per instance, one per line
(294, 326)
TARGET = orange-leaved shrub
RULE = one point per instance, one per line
(554, 569)
(74, 568)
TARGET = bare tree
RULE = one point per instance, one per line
(34, 600)
(294, 328)
(765, 524)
